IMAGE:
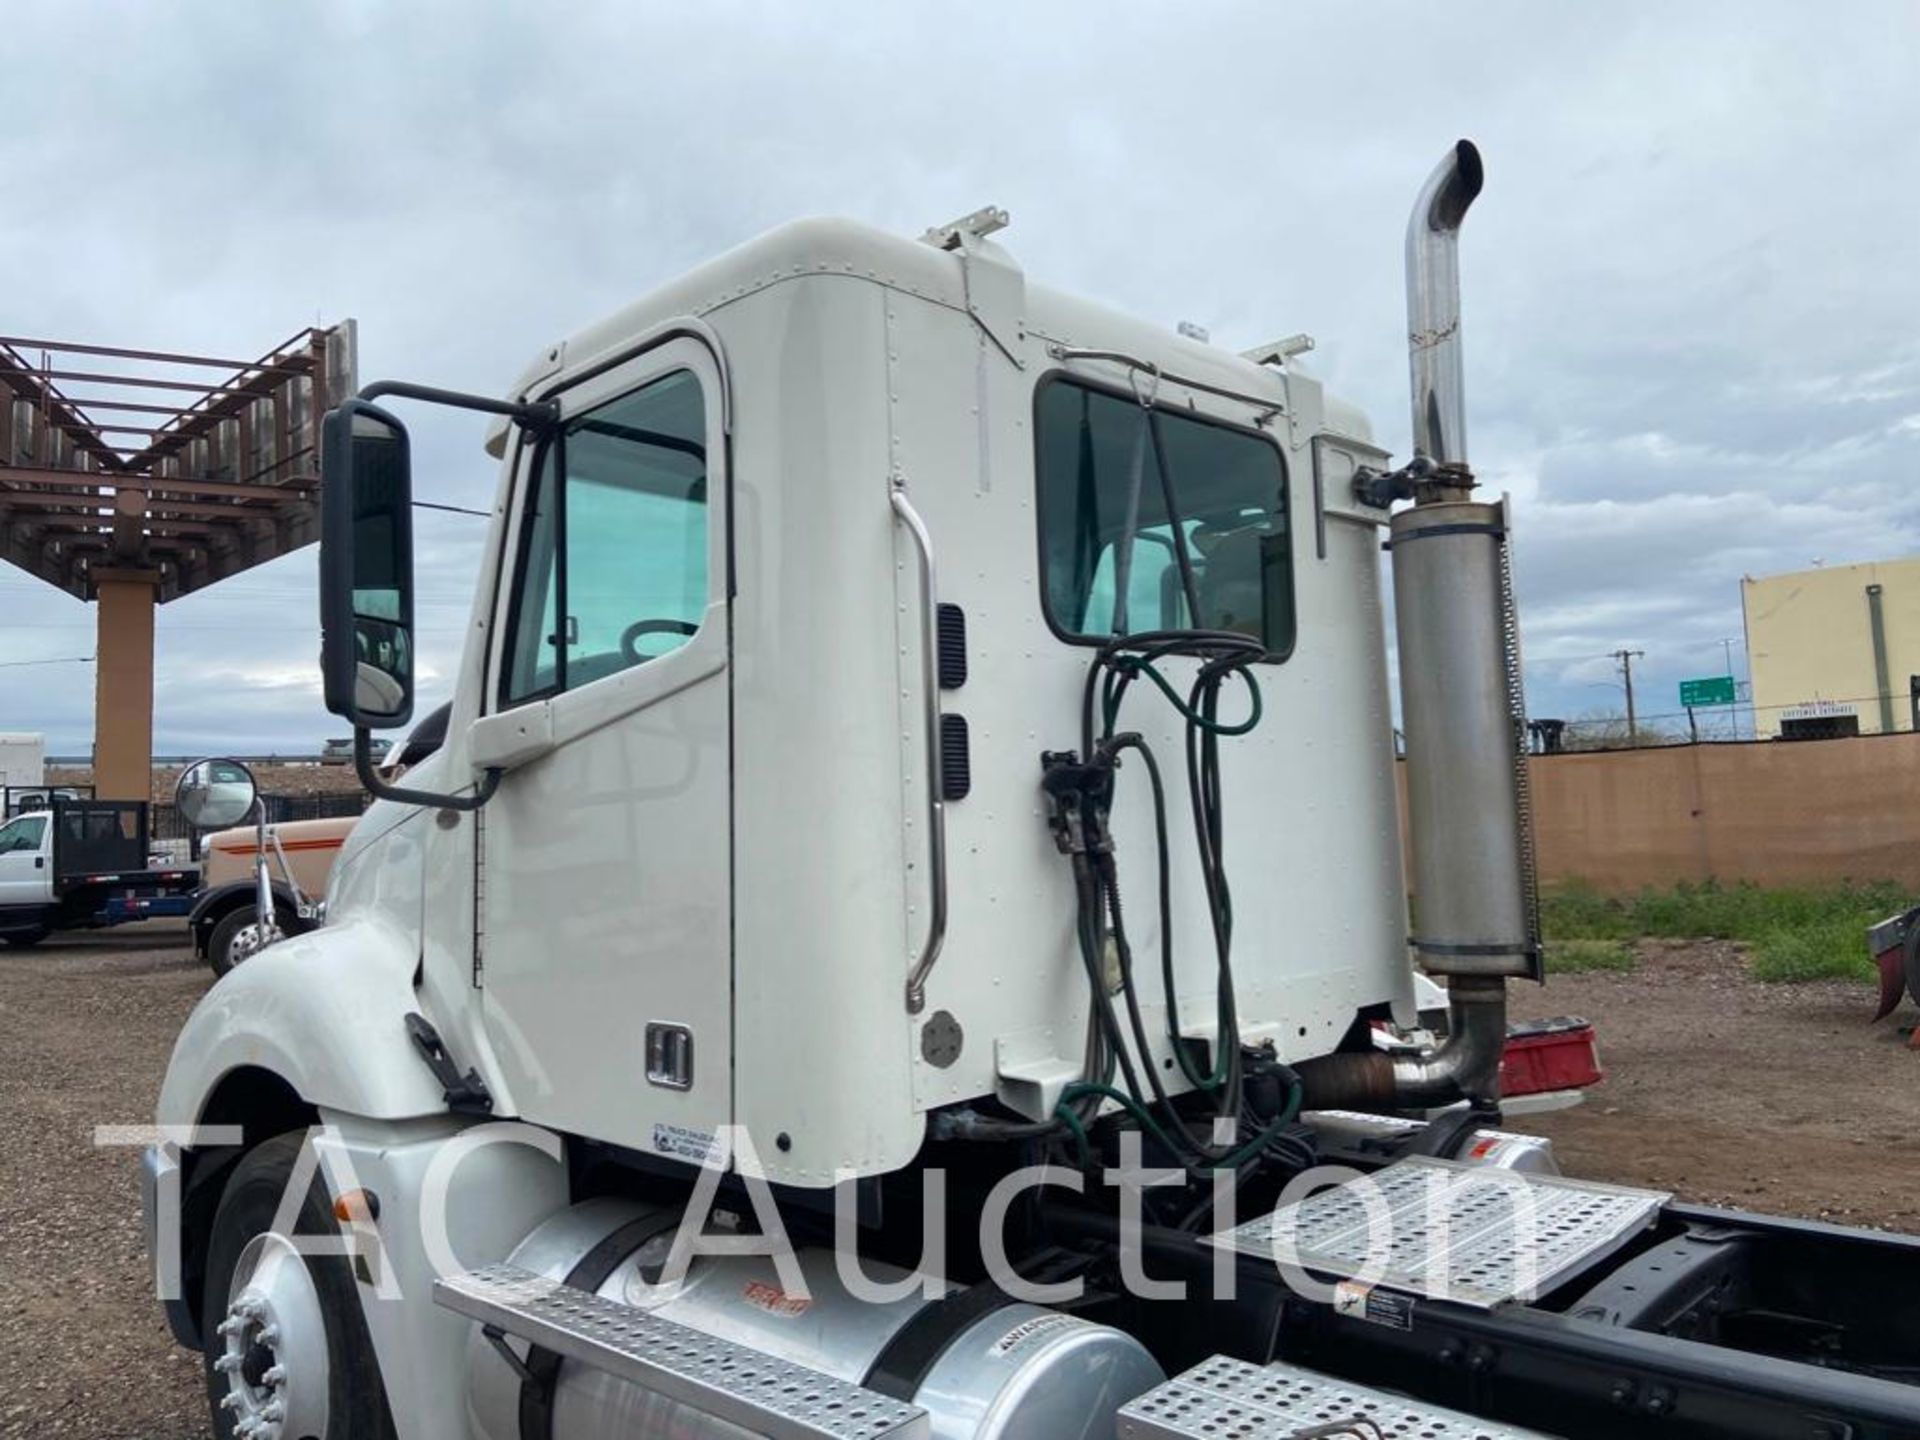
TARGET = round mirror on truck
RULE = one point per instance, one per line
(213, 794)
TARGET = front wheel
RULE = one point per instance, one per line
(237, 937)
(287, 1353)
(25, 939)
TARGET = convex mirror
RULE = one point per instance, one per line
(213, 794)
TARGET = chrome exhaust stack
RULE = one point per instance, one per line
(1460, 700)
(1433, 313)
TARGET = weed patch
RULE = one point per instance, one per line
(1792, 933)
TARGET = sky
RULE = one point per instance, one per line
(1692, 303)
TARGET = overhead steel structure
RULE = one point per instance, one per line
(131, 477)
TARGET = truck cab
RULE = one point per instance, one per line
(25, 849)
(918, 733)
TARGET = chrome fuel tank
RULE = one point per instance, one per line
(1004, 1371)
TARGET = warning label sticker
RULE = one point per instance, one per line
(1029, 1332)
(775, 1301)
(1374, 1305)
(685, 1142)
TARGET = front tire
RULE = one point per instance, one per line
(236, 938)
(286, 1345)
(24, 939)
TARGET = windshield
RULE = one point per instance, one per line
(1117, 559)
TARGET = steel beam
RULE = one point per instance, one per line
(16, 477)
(132, 382)
(100, 402)
(166, 356)
(155, 505)
(294, 487)
(134, 529)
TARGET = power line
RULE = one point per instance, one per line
(57, 660)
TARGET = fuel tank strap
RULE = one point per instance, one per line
(589, 1274)
(904, 1363)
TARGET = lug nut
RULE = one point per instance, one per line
(270, 1335)
(231, 1400)
(273, 1412)
(276, 1376)
(232, 1325)
(227, 1364)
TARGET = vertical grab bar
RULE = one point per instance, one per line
(936, 802)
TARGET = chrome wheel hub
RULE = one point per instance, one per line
(249, 940)
(274, 1352)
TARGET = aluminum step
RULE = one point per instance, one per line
(1466, 1233)
(1226, 1399)
(759, 1392)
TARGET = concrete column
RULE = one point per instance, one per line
(123, 683)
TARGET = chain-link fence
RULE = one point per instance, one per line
(1820, 719)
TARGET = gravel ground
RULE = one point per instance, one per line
(1780, 1098)
(85, 1029)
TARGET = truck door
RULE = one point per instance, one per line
(25, 877)
(605, 890)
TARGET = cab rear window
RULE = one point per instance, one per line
(1133, 502)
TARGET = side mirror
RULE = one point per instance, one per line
(366, 567)
(213, 794)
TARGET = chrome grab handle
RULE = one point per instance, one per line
(936, 804)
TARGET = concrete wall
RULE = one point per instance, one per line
(1810, 644)
(1773, 813)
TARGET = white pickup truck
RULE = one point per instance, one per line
(81, 864)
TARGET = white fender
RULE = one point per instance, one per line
(326, 1012)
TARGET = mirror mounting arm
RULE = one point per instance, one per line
(539, 415)
(380, 789)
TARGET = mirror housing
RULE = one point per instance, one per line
(215, 794)
(366, 566)
(366, 571)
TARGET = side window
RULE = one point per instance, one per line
(613, 553)
(22, 834)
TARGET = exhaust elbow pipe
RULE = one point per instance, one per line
(1433, 309)
(1466, 1065)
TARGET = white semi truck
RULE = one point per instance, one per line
(858, 623)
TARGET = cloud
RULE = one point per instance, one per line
(1690, 297)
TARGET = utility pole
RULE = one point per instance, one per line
(1626, 659)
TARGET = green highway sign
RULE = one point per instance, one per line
(1713, 690)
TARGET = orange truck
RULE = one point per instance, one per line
(300, 856)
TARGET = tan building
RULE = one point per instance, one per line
(1835, 650)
